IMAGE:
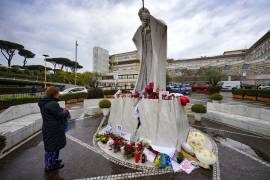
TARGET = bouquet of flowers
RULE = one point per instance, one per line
(102, 138)
(135, 94)
(149, 91)
(129, 150)
(117, 143)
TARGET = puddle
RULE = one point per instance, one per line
(243, 147)
(76, 107)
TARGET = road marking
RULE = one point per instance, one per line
(80, 118)
(81, 143)
(243, 134)
(248, 155)
(126, 175)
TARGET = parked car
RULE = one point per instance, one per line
(229, 85)
(182, 89)
(74, 90)
(199, 86)
(264, 86)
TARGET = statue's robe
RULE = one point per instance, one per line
(151, 44)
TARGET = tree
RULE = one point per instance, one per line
(26, 54)
(17, 66)
(63, 62)
(8, 50)
(213, 76)
(53, 62)
(74, 65)
(37, 68)
(168, 78)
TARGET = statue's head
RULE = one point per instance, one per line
(144, 15)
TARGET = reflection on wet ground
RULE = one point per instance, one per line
(236, 144)
(252, 144)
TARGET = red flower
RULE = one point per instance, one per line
(151, 96)
(136, 94)
(147, 88)
(151, 85)
(184, 100)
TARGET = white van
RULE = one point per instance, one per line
(229, 85)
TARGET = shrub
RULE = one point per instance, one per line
(2, 142)
(251, 92)
(95, 93)
(239, 92)
(198, 108)
(216, 97)
(110, 92)
(264, 93)
(65, 97)
(104, 103)
(214, 89)
(213, 75)
(12, 101)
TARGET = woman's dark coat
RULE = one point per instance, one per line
(53, 124)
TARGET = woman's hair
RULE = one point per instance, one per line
(51, 91)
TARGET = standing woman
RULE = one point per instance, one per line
(54, 118)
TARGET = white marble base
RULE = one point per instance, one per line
(20, 122)
(256, 120)
(91, 107)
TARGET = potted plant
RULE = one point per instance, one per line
(216, 98)
(105, 105)
(199, 110)
(2, 142)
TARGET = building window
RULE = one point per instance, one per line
(227, 67)
(245, 66)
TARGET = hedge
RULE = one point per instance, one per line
(110, 92)
(239, 92)
(69, 96)
(95, 93)
(264, 93)
(12, 101)
(251, 92)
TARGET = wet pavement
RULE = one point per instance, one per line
(242, 155)
(27, 161)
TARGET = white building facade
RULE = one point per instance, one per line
(100, 60)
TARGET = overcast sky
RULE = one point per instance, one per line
(195, 27)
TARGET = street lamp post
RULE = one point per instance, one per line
(45, 71)
(76, 45)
